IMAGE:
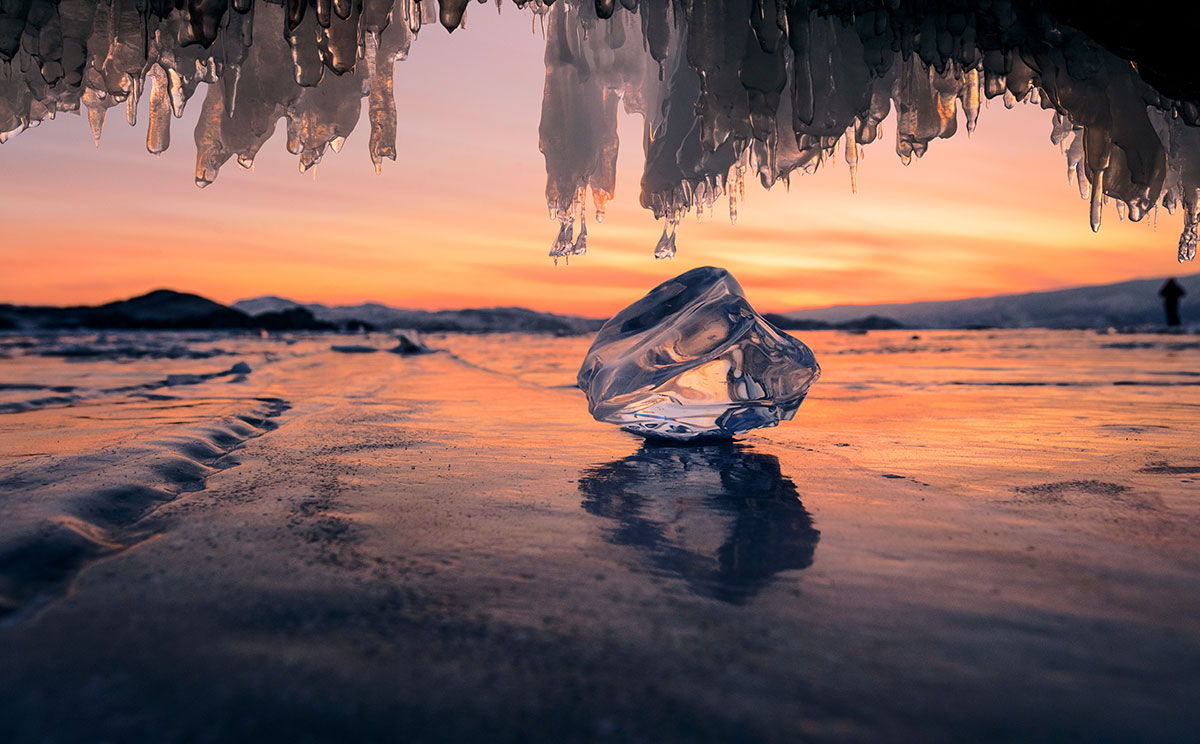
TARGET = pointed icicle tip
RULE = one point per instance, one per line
(96, 121)
(1097, 204)
(451, 13)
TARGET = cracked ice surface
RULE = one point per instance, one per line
(693, 359)
(727, 88)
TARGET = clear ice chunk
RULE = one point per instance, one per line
(693, 360)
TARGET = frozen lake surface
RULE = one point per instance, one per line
(983, 535)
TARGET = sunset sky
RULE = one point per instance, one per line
(460, 221)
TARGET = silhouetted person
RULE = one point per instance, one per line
(1171, 292)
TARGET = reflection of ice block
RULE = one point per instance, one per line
(693, 359)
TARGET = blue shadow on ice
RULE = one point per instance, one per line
(720, 516)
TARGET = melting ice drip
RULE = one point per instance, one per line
(726, 88)
(692, 359)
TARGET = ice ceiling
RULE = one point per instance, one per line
(728, 89)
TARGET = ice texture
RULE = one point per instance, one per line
(309, 64)
(771, 88)
(728, 89)
(691, 360)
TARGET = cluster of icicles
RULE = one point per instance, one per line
(309, 62)
(726, 88)
(771, 87)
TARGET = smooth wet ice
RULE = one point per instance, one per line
(692, 359)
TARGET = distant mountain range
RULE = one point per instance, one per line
(868, 323)
(478, 320)
(162, 309)
(1121, 305)
(166, 309)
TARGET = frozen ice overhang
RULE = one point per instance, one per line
(727, 88)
